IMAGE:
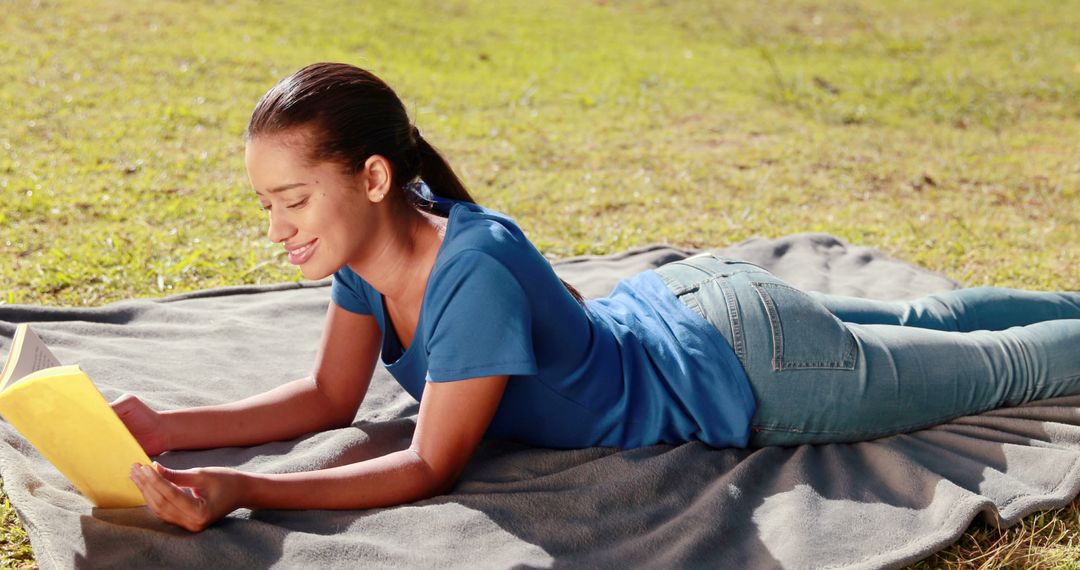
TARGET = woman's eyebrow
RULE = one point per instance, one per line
(283, 188)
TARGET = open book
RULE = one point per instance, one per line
(58, 409)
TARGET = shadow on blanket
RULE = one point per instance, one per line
(664, 506)
(875, 504)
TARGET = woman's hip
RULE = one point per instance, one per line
(787, 341)
(771, 325)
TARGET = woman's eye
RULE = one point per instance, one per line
(298, 204)
(264, 207)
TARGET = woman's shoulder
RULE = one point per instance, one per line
(476, 228)
(481, 243)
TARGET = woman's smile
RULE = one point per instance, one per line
(298, 255)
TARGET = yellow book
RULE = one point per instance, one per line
(60, 411)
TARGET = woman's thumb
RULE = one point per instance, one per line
(187, 478)
(121, 403)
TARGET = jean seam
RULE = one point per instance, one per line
(774, 327)
(678, 288)
(669, 282)
(734, 321)
(687, 262)
(691, 295)
(878, 433)
(692, 302)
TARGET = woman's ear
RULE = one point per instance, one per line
(377, 174)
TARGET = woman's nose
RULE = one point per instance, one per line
(280, 228)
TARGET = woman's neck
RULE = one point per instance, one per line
(401, 266)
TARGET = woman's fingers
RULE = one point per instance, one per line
(177, 496)
(169, 502)
(143, 422)
(155, 499)
(152, 487)
(193, 499)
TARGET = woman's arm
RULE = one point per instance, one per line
(327, 399)
(453, 418)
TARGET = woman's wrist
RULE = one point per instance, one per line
(248, 487)
(165, 431)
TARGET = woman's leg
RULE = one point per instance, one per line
(817, 379)
(978, 308)
(907, 378)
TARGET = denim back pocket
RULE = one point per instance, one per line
(804, 333)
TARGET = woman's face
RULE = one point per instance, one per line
(322, 215)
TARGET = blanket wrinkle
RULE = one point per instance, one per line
(876, 504)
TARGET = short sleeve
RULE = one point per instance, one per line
(347, 290)
(479, 321)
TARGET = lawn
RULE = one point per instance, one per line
(947, 134)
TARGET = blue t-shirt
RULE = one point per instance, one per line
(632, 369)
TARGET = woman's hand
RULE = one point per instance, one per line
(193, 498)
(143, 423)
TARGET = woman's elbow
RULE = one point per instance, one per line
(434, 480)
(338, 416)
(340, 421)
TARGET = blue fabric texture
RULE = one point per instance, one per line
(632, 369)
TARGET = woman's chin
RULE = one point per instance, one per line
(312, 272)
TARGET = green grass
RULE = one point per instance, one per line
(947, 134)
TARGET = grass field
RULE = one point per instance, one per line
(947, 134)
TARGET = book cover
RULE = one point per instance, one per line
(60, 411)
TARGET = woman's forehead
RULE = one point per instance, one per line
(280, 144)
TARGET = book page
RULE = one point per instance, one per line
(28, 355)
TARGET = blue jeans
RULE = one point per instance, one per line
(826, 368)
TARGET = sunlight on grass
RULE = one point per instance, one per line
(947, 134)
(15, 549)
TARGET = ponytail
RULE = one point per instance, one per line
(437, 174)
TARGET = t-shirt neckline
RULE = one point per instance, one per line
(390, 336)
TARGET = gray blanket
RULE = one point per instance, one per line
(876, 504)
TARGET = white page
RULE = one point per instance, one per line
(30, 355)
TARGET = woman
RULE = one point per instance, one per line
(471, 320)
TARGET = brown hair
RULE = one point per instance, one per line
(352, 115)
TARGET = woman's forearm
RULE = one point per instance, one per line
(392, 479)
(283, 413)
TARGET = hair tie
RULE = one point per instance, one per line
(422, 194)
(417, 187)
